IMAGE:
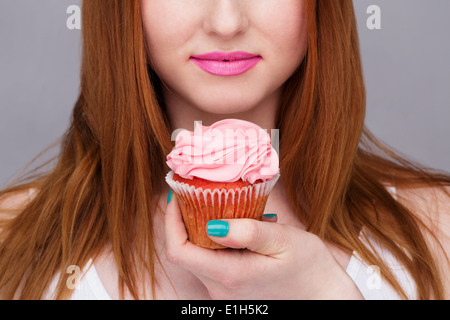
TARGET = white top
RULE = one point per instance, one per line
(367, 278)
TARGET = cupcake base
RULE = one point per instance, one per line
(199, 205)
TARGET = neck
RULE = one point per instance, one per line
(183, 114)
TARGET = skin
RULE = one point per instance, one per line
(281, 260)
(276, 32)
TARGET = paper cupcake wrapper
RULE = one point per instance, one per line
(198, 206)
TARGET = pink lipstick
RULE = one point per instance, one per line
(226, 64)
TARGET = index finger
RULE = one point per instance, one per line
(180, 251)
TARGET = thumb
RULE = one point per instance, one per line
(262, 237)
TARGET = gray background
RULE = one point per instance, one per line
(406, 67)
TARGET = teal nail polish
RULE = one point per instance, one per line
(169, 197)
(270, 215)
(217, 228)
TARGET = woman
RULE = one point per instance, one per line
(103, 220)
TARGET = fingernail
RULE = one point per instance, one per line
(169, 197)
(217, 228)
(270, 215)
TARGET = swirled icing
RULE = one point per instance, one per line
(226, 151)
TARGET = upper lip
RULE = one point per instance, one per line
(230, 56)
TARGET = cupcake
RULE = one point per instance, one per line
(224, 171)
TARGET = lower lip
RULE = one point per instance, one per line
(227, 68)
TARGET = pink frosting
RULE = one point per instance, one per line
(226, 151)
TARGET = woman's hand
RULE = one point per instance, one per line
(280, 261)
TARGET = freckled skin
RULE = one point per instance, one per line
(176, 30)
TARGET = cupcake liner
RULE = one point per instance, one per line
(198, 206)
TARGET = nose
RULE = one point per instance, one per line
(225, 19)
